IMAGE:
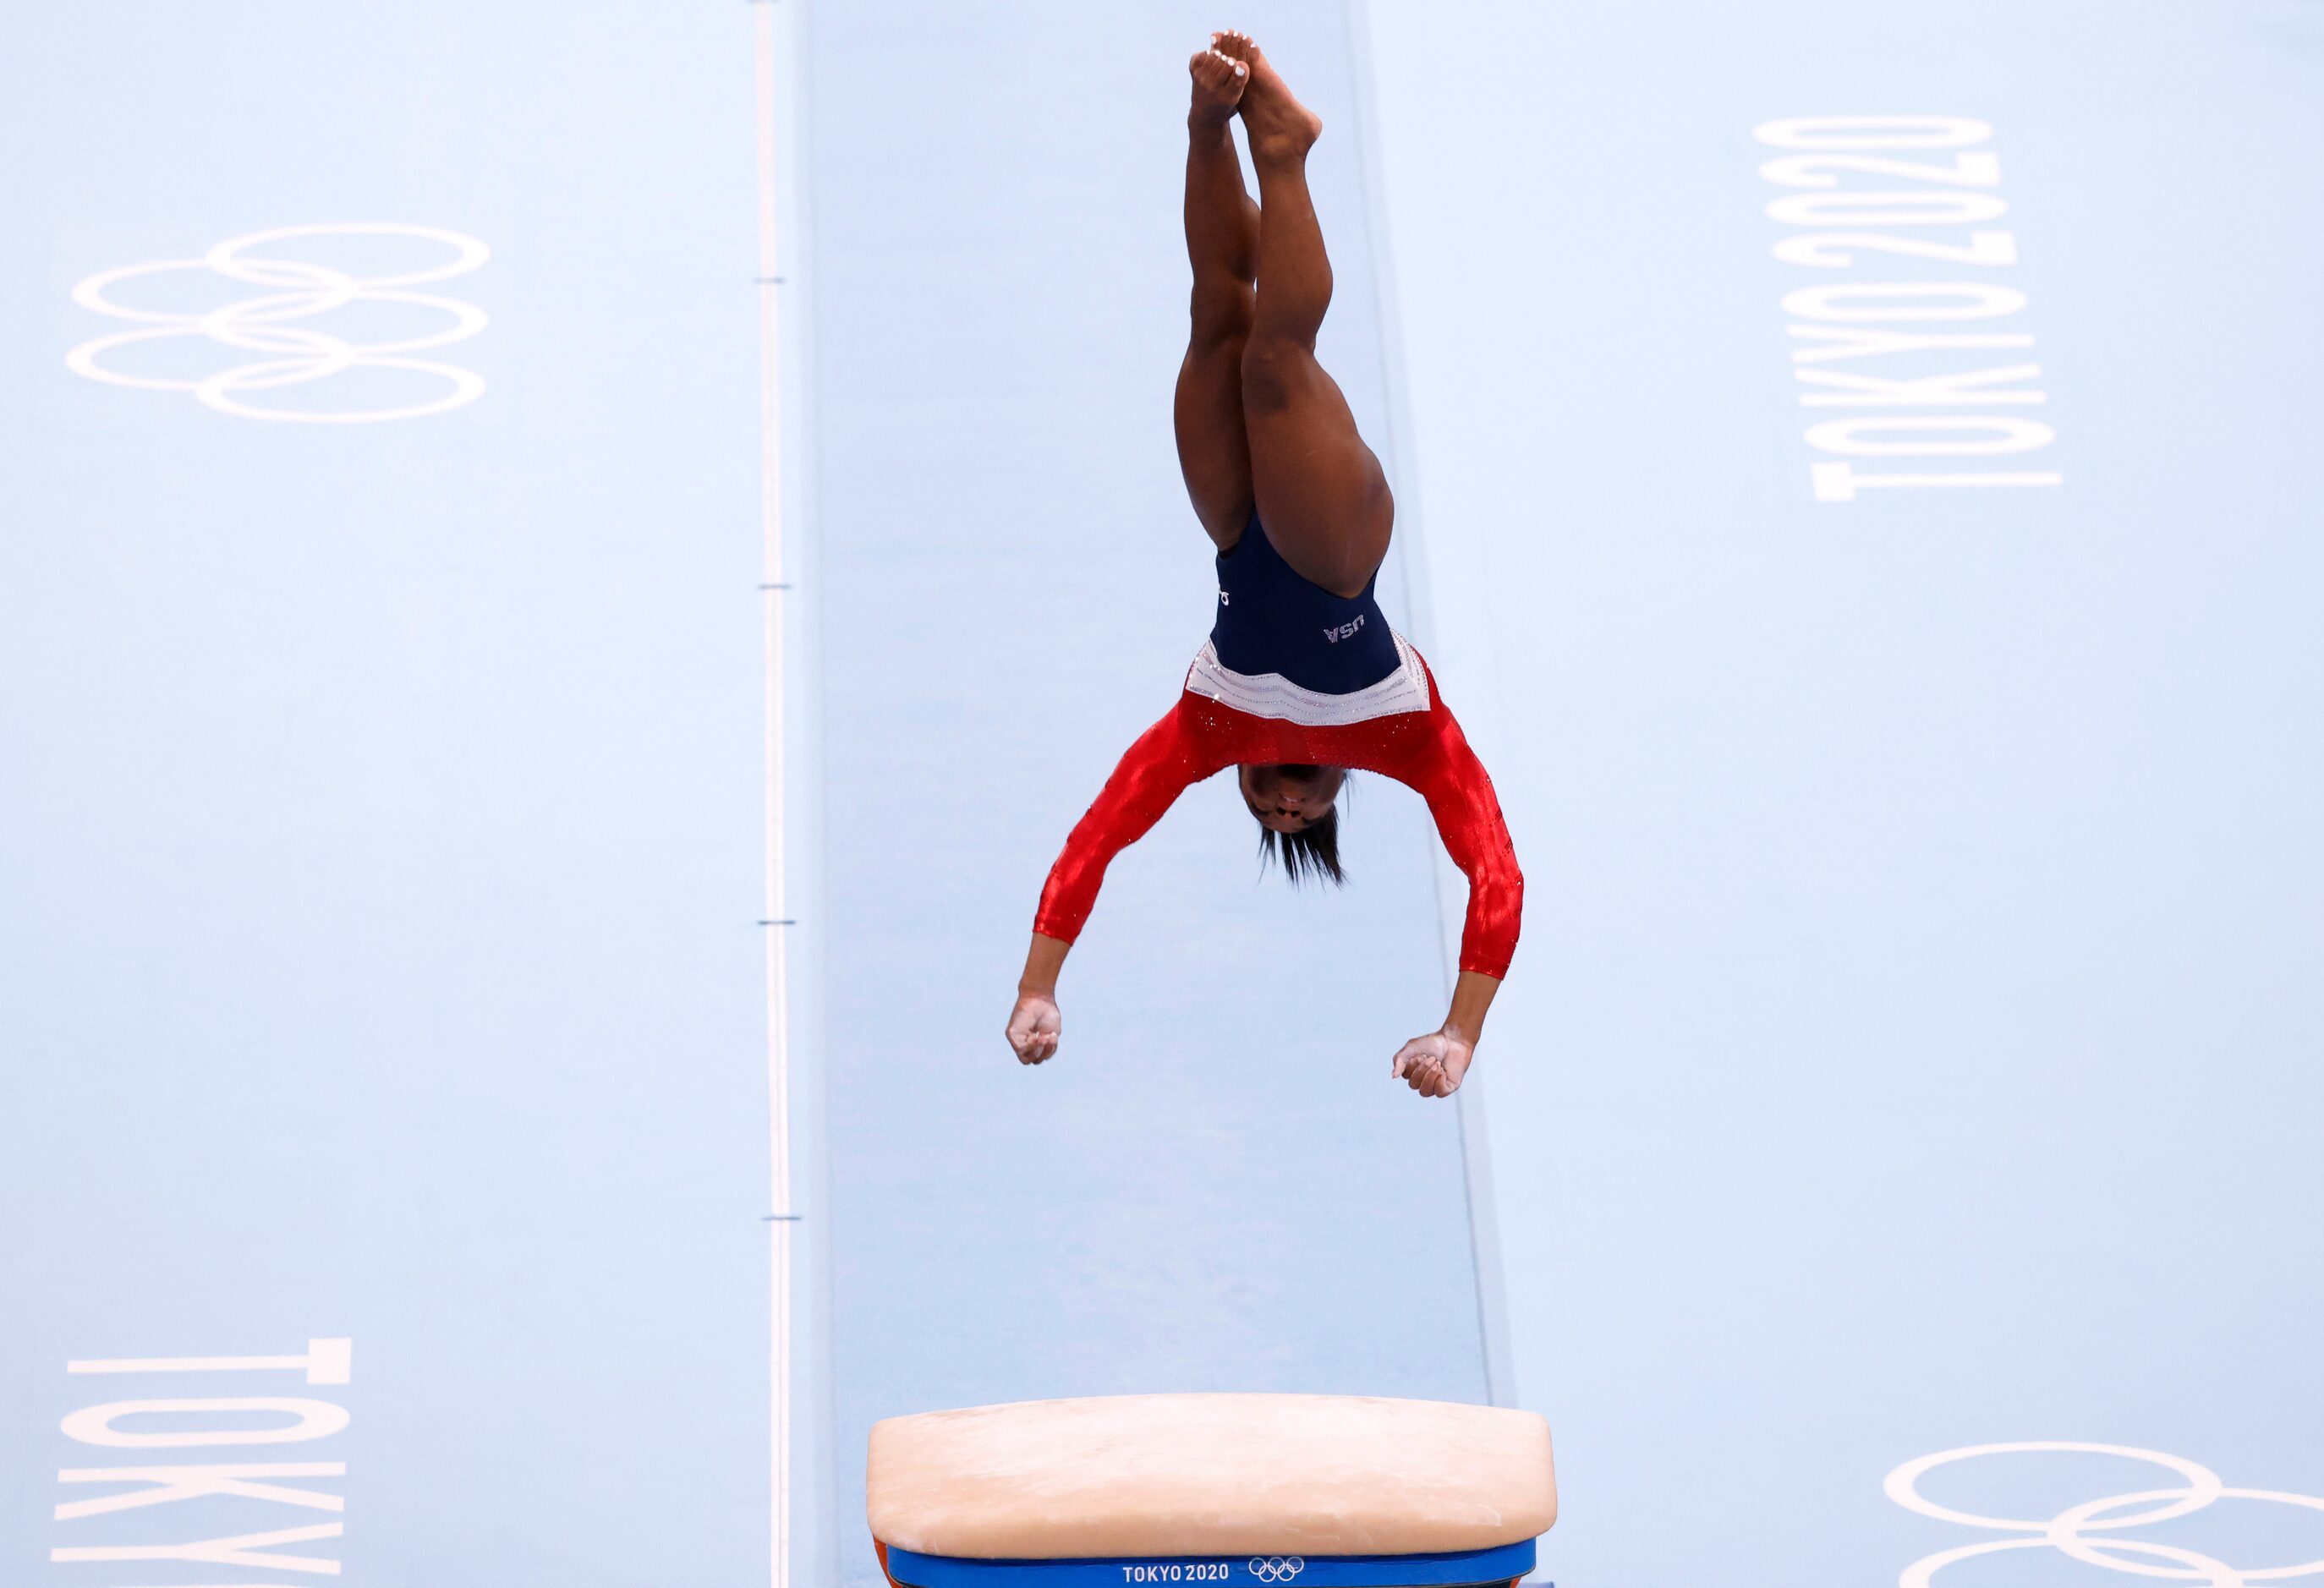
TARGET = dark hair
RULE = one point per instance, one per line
(1312, 849)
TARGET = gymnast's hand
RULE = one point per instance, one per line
(1034, 1027)
(1432, 1065)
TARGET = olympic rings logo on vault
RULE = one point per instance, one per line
(1276, 1568)
(2091, 1532)
(275, 331)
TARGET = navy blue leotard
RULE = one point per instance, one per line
(1270, 619)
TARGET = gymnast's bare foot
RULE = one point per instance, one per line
(1219, 81)
(1280, 127)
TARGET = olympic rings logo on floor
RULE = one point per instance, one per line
(1277, 1568)
(2085, 1531)
(293, 354)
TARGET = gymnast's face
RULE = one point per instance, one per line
(1289, 798)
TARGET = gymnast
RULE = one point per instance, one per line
(1302, 679)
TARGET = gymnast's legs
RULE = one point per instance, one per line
(1222, 245)
(1259, 421)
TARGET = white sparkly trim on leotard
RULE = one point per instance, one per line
(1271, 694)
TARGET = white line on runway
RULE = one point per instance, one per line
(775, 935)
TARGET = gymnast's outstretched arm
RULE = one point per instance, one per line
(1460, 794)
(1167, 757)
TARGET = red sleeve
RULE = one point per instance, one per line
(1449, 776)
(1152, 774)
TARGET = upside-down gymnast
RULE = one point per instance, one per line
(1302, 679)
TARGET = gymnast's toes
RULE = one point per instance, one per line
(1219, 82)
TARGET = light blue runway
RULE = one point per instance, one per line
(1216, 1185)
